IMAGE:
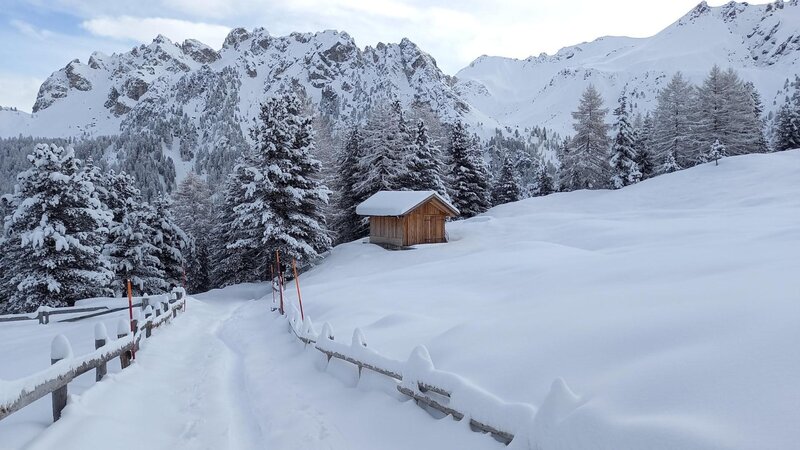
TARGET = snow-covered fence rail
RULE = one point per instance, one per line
(17, 394)
(417, 378)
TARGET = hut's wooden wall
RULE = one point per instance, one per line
(423, 225)
(386, 230)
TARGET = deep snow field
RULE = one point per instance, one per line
(671, 308)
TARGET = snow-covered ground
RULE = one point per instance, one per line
(671, 307)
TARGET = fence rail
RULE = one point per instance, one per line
(65, 368)
(416, 387)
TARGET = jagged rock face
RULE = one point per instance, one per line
(326, 67)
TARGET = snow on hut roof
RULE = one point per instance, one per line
(398, 203)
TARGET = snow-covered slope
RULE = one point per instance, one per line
(762, 42)
(671, 306)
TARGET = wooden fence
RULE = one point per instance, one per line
(426, 393)
(65, 368)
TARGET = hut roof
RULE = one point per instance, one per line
(399, 203)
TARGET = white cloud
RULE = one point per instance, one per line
(18, 91)
(144, 29)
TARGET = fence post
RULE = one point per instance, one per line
(100, 338)
(148, 321)
(59, 349)
(123, 328)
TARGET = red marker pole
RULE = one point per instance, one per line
(280, 276)
(272, 283)
(130, 315)
(297, 285)
(183, 268)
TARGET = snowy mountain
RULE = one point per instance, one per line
(199, 102)
(192, 79)
(762, 42)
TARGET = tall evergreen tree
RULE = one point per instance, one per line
(586, 161)
(424, 164)
(384, 145)
(469, 177)
(280, 206)
(673, 125)
(193, 207)
(624, 167)
(544, 182)
(348, 225)
(507, 187)
(54, 232)
(170, 240)
(643, 137)
(787, 122)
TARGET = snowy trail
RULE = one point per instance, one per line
(226, 375)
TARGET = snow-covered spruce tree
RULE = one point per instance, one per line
(55, 232)
(424, 164)
(282, 200)
(785, 135)
(673, 125)
(130, 246)
(507, 186)
(586, 161)
(237, 255)
(348, 225)
(469, 177)
(759, 124)
(624, 167)
(716, 152)
(170, 240)
(543, 181)
(384, 144)
(670, 164)
(786, 132)
(643, 134)
(194, 210)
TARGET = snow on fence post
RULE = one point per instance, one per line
(100, 339)
(123, 328)
(59, 349)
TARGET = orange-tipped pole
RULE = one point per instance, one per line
(130, 315)
(297, 285)
(272, 283)
(280, 276)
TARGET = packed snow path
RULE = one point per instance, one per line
(227, 375)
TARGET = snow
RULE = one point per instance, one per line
(60, 348)
(397, 203)
(660, 315)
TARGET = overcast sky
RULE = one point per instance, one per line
(38, 37)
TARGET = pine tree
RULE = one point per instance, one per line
(130, 248)
(469, 189)
(54, 232)
(670, 164)
(170, 240)
(643, 139)
(237, 255)
(715, 152)
(506, 188)
(384, 144)
(544, 182)
(424, 164)
(193, 208)
(277, 201)
(673, 125)
(586, 161)
(624, 168)
(785, 133)
(348, 225)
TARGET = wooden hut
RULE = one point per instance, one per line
(403, 218)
